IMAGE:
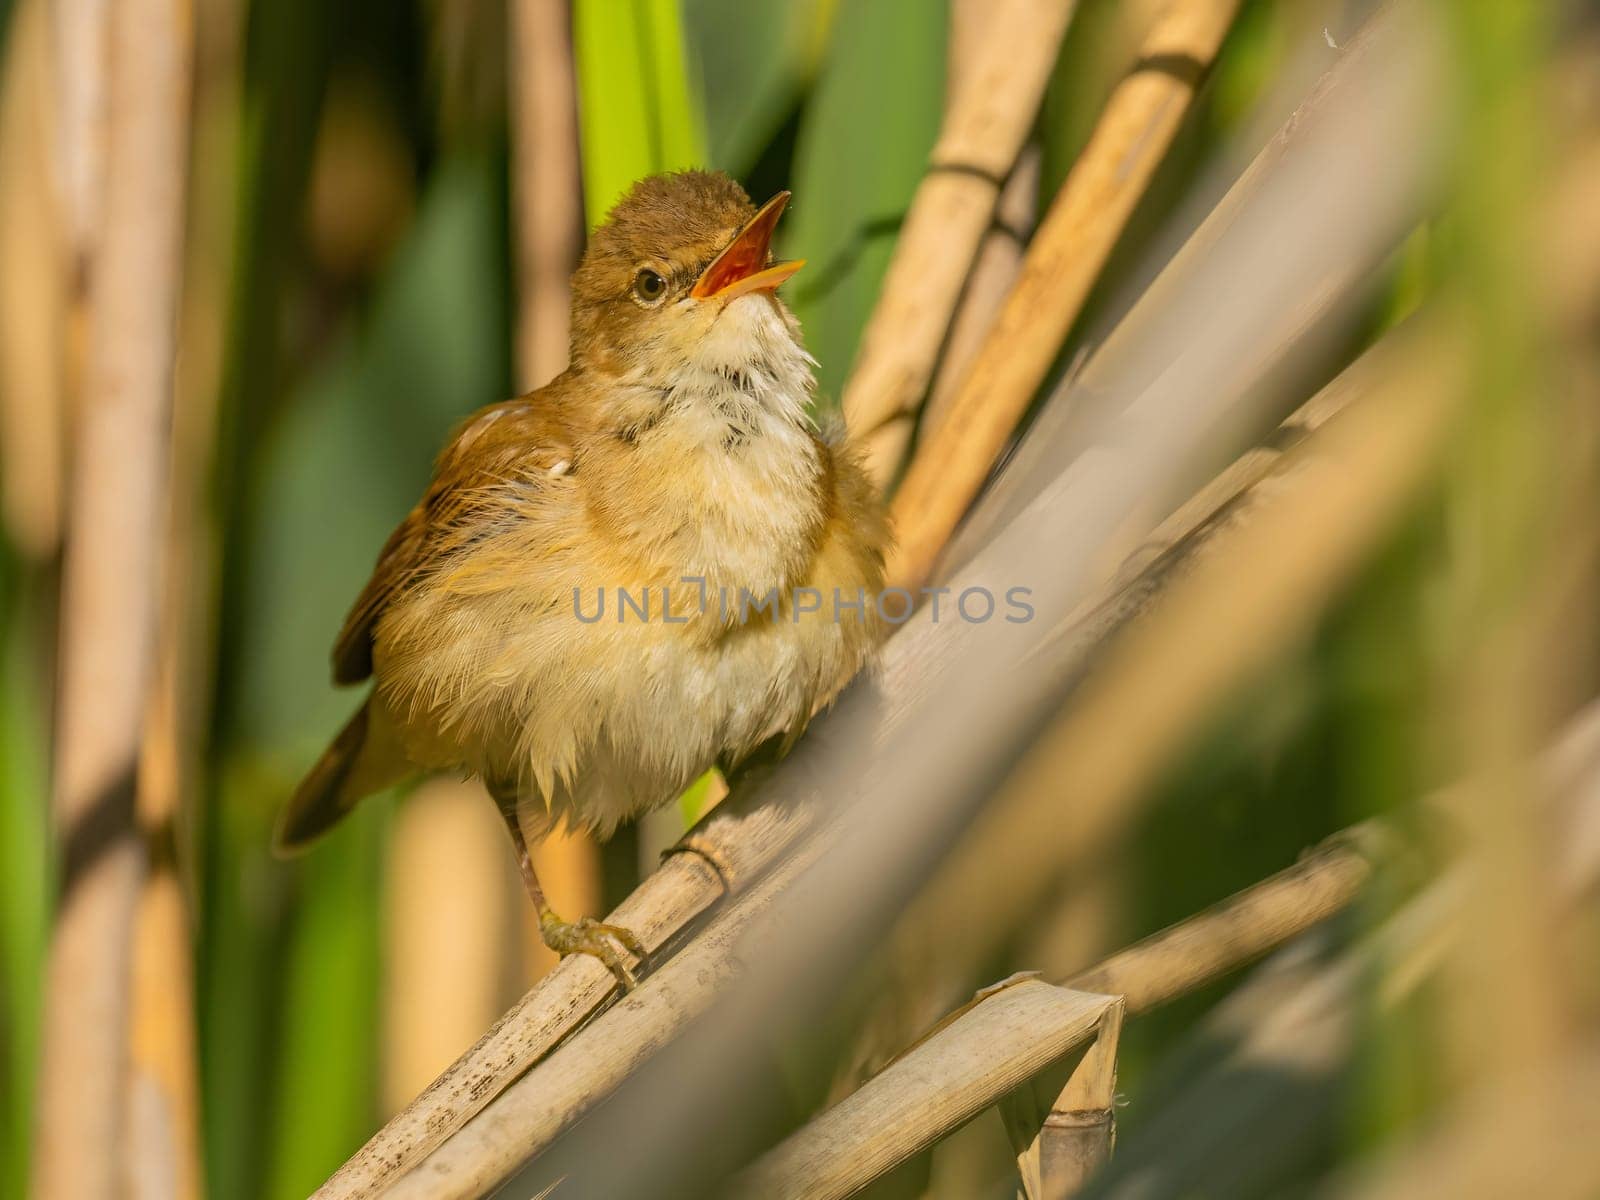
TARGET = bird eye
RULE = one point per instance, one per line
(648, 286)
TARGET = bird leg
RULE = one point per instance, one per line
(583, 936)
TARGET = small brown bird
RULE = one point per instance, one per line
(649, 566)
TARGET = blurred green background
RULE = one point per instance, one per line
(351, 225)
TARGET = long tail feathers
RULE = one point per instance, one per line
(329, 791)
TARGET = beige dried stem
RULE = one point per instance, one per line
(970, 1060)
(547, 187)
(722, 856)
(997, 1046)
(1189, 955)
(163, 1093)
(940, 942)
(985, 126)
(33, 290)
(547, 190)
(110, 601)
(1065, 258)
(999, 257)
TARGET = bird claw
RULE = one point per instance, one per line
(594, 938)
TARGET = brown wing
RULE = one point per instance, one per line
(493, 444)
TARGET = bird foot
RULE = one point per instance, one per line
(595, 938)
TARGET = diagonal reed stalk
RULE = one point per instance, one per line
(990, 114)
(1065, 258)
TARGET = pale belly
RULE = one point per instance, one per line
(594, 722)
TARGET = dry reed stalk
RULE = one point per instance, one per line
(999, 256)
(1258, 587)
(936, 947)
(528, 1116)
(547, 184)
(448, 921)
(984, 128)
(994, 274)
(1000, 1044)
(719, 857)
(547, 190)
(163, 1094)
(33, 290)
(1063, 1137)
(1164, 966)
(110, 602)
(164, 1088)
(1191, 954)
(1063, 261)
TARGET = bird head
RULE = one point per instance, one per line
(681, 275)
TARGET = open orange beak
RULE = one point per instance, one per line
(742, 265)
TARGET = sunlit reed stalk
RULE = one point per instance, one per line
(164, 1099)
(999, 255)
(1066, 256)
(923, 1095)
(547, 191)
(996, 1046)
(547, 186)
(986, 123)
(722, 856)
(33, 288)
(110, 604)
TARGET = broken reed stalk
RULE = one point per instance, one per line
(967, 1061)
(907, 1107)
(110, 602)
(984, 129)
(1001, 1043)
(1063, 261)
(1062, 1136)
